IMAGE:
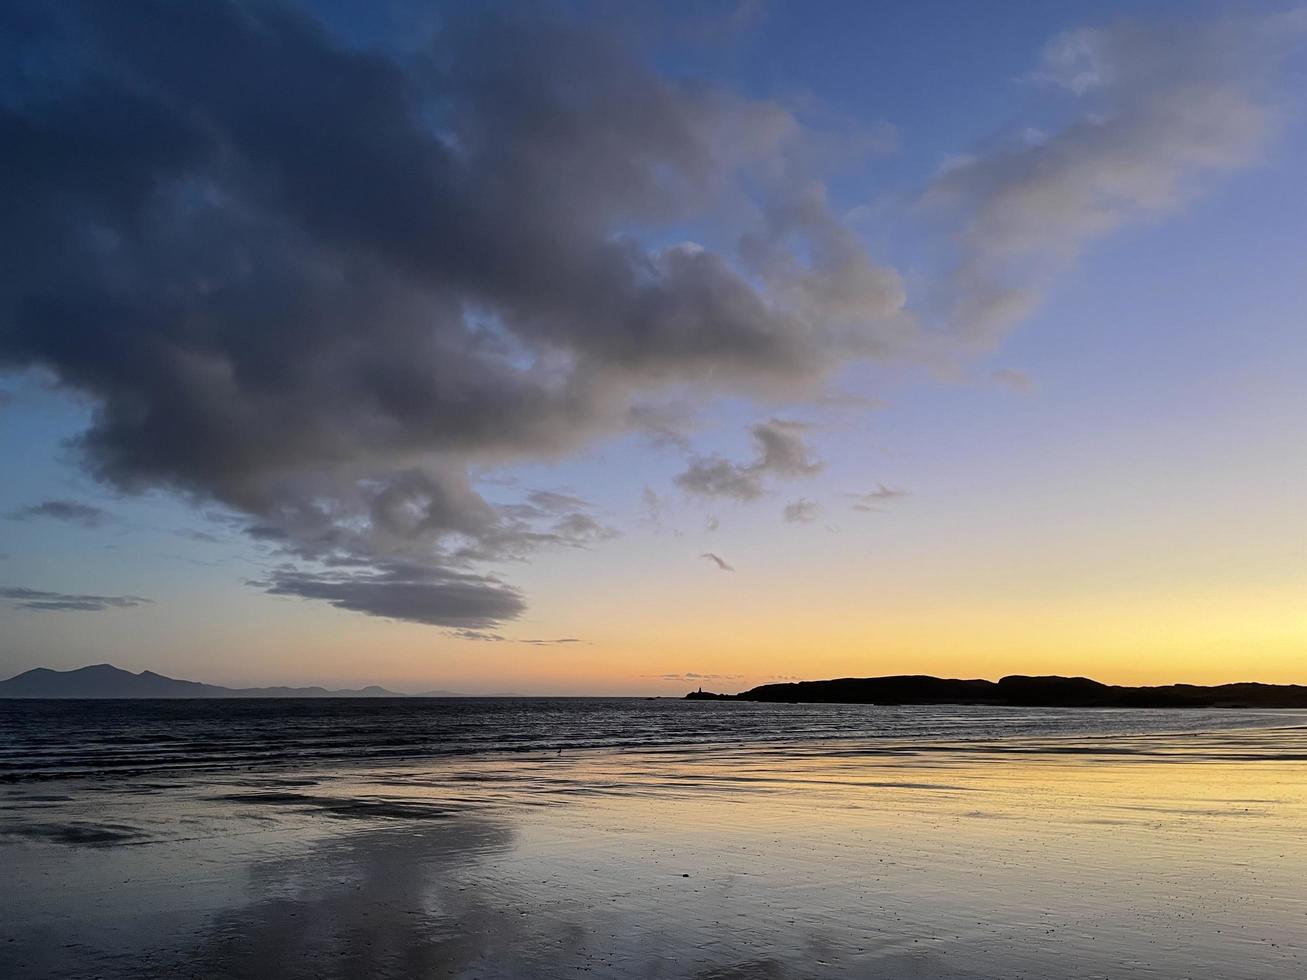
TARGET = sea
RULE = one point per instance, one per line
(98, 739)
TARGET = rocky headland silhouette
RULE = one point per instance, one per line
(1018, 691)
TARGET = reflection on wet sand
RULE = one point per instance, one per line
(374, 904)
(1152, 856)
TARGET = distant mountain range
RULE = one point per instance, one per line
(106, 681)
(1019, 691)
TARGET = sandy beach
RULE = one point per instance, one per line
(1148, 856)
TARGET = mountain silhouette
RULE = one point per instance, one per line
(107, 681)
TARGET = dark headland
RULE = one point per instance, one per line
(1019, 691)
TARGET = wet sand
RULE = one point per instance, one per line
(1149, 856)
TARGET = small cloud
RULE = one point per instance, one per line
(654, 514)
(68, 511)
(662, 426)
(718, 561)
(1013, 379)
(801, 511)
(545, 643)
(782, 452)
(1076, 62)
(43, 601)
(876, 500)
(192, 535)
(479, 636)
(848, 399)
(554, 502)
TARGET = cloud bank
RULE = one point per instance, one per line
(318, 289)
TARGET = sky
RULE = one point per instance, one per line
(618, 349)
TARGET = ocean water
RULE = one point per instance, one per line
(521, 839)
(101, 739)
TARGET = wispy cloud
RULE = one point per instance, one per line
(68, 511)
(476, 636)
(43, 601)
(1156, 110)
(878, 499)
(718, 561)
(692, 677)
(190, 534)
(1014, 380)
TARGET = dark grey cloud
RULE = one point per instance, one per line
(801, 511)
(782, 452)
(420, 594)
(317, 285)
(721, 563)
(43, 601)
(69, 511)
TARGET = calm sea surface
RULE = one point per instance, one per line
(61, 739)
(529, 839)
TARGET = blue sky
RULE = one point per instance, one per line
(1068, 491)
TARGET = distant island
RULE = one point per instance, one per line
(107, 681)
(1018, 691)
